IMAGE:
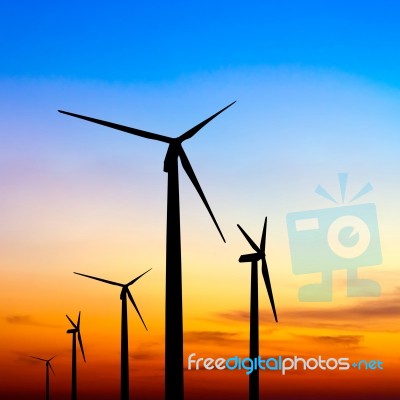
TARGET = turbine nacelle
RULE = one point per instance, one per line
(245, 258)
(173, 152)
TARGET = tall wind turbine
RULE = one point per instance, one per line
(48, 366)
(173, 290)
(125, 292)
(75, 331)
(254, 339)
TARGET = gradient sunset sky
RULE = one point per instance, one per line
(317, 85)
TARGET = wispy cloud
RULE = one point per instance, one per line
(26, 320)
(144, 355)
(216, 337)
(378, 314)
(341, 340)
(235, 315)
(148, 352)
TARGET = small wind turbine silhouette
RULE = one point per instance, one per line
(48, 366)
(75, 331)
(254, 337)
(173, 290)
(125, 293)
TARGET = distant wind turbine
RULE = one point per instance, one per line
(48, 366)
(125, 293)
(173, 293)
(254, 334)
(75, 331)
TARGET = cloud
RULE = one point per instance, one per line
(372, 314)
(376, 314)
(342, 340)
(244, 316)
(144, 355)
(235, 315)
(26, 320)
(147, 352)
(216, 337)
(19, 319)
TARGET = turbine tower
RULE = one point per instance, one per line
(254, 333)
(125, 293)
(173, 291)
(48, 366)
(75, 331)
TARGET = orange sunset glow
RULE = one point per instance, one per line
(312, 129)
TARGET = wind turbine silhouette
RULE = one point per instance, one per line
(75, 331)
(254, 337)
(173, 290)
(125, 293)
(48, 365)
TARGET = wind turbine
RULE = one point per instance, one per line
(75, 331)
(254, 338)
(173, 290)
(125, 293)
(48, 365)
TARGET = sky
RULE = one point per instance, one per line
(318, 92)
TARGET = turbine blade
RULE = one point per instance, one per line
(52, 370)
(81, 345)
(189, 170)
(134, 305)
(191, 132)
(100, 279)
(137, 278)
(79, 320)
(267, 281)
(248, 238)
(249, 257)
(133, 131)
(263, 236)
(51, 358)
(70, 320)
(37, 358)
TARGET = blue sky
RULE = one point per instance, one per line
(132, 41)
(316, 83)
